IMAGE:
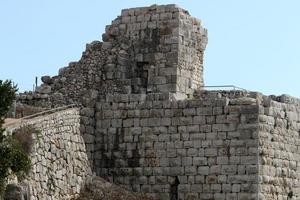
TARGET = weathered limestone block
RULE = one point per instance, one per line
(45, 89)
(47, 79)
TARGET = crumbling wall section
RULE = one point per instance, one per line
(72, 82)
(145, 50)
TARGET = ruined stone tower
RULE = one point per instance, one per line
(147, 124)
(159, 48)
(156, 49)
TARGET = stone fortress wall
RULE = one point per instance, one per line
(279, 152)
(149, 126)
(188, 149)
(60, 165)
(218, 145)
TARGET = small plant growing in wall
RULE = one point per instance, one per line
(290, 195)
(14, 158)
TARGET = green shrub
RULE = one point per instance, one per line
(14, 150)
(14, 160)
(7, 96)
(23, 136)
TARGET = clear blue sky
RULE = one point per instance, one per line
(253, 44)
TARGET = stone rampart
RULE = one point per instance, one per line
(60, 166)
(279, 149)
(187, 149)
(149, 127)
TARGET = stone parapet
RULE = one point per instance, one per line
(60, 165)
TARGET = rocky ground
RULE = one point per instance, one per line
(99, 189)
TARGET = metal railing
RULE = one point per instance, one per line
(225, 86)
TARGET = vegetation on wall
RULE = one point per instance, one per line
(7, 96)
(14, 157)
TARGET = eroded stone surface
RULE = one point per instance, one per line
(145, 123)
(145, 50)
(60, 163)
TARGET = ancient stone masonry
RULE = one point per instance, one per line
(149, 126)
(189, 149)
(279, 155)
(145, 50)
(60, 163)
